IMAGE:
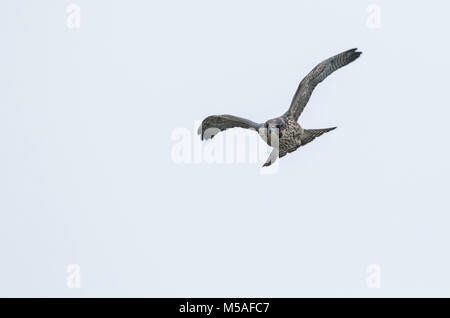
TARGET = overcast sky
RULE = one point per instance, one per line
(90, 193)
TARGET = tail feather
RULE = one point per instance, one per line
(310, 134)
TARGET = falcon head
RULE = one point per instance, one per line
(273, 128)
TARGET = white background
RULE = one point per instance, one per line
(87, 177)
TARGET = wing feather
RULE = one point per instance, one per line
(317, 75)
(212, 125)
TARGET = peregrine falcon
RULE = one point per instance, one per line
(283, 133)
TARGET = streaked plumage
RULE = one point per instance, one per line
(283, 133)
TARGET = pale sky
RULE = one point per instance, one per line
(87, 176)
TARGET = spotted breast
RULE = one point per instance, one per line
(289, 140)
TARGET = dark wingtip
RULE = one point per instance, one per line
(200, 131)
(352, 54)
(205, 134)
(355, 52)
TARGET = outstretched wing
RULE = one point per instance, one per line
(214, 124)
(317, 75)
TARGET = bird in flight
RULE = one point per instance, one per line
(283, 133)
